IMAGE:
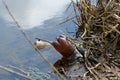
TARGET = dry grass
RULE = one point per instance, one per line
(99, 28)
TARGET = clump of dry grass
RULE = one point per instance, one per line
(99, 28)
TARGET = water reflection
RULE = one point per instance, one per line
(32, 13)
(70, 70)
(14, 49)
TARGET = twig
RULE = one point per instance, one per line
(14, 72)
(86, 65)
(95, 66)
(84, 33)
(114, 28)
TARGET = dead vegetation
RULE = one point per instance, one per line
(99, 28)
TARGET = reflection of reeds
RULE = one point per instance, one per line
(99, 28)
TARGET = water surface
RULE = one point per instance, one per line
(39, 19)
